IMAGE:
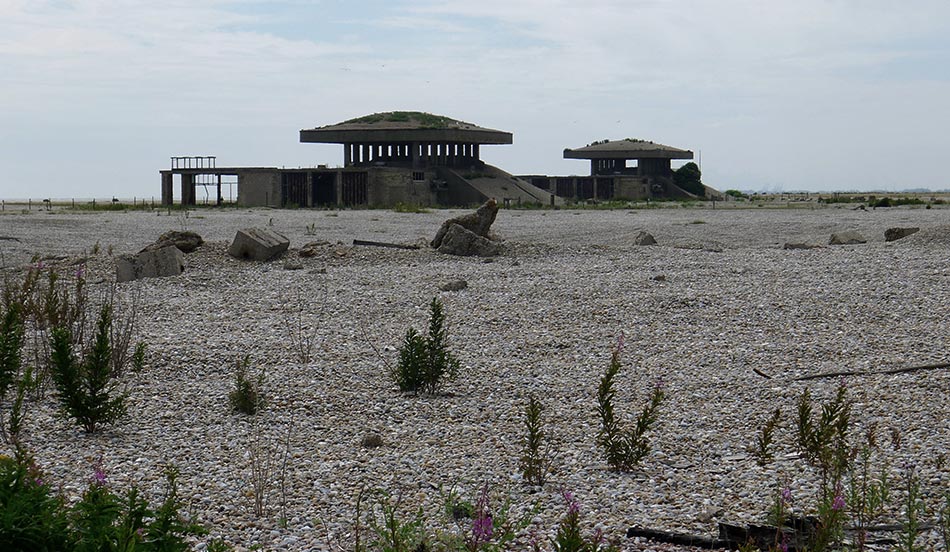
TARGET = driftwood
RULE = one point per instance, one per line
(905, 370)
(384, 244)
(9, 238)
(795, 535)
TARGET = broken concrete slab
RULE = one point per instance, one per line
(644, 238)
(478, 222)
(894, 234)
(463, 242)
(257, 244)
(186, 240)
(155, 263)
(848, 237)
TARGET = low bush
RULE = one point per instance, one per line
(623, 448)
(246, 397)
(425, 362)
(85, 387)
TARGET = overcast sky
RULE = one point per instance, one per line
(96, 95)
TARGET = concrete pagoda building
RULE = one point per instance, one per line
(611, 177)
(388, 158)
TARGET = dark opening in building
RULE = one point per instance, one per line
(323, 188)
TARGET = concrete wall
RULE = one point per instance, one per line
(256, 189)
(389, 186)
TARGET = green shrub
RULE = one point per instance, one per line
(425, 362)
(246, 397)
(623, 448)
(32, 517)
(138, 357)
(535, 457)
(11, 344)
(86, 388)
(689, 178)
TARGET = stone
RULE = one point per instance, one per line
(848, 237)
(372, 440)
(292, 265)
(478, 222)
(155, 263)
(461, 241)
(894, 234)
(312, 248)
(454, 285)
(659, 278)
(257, 244)
(644, 238)
(800, 245)
(187, 241)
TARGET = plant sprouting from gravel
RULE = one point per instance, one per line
(624, 447)
(11, 343)
(85, 387)
(425, 362)
(914, 509)
(138, 357)
(569, 537)
(823, 439)
(536, 457)
(762, 449)
(247, 396)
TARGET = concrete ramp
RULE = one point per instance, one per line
(492, 182)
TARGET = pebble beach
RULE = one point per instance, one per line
(718, 313)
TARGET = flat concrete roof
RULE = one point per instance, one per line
(628, 148)
(404, 127)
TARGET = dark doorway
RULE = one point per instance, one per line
(605, 188)
(354, 188)
(323, 189)
(293, 189)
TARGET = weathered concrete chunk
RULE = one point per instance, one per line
(461, 241)
(801, 245)
(848, 237)
(257, 244)
(478, 222)
(644, 238)
(155, 263)
(187, 241)
(454, 285)
(894, 234)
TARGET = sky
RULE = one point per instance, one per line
(771, 95)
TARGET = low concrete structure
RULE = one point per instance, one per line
(610, 176)
(388, 158)
(150, 263)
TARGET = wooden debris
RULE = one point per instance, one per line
(384, 244)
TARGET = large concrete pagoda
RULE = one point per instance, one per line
(407, 138)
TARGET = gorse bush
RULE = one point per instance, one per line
(246, 397)
(425, 362)
(624, 448)
(85, 387)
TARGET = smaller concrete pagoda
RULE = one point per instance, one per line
(610, 157)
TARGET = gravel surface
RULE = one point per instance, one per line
(540, 319)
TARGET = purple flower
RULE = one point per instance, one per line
(838, 502)
(482, 528)
(787, 495)
(80, 272)
(99, 475)
(784, 545)
(573, 506)
(620, 342)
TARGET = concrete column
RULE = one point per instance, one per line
(347, 154)
(187, 189)
(364, 154)
(475, 151)
(220, 198)
(168, 197)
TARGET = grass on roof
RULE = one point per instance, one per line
(424, 120)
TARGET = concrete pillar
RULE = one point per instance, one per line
(168, 197)
(364, 154)
(475, 151)
(220, 198)
(187, 189)
(347, 154)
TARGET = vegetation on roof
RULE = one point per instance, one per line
(634, 140)
(424, 120)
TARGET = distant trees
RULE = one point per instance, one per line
(688, 177)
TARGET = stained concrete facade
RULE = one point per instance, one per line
(388, 158)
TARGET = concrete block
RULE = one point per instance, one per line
(155, 263)
(461, 241)
(258, 244)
